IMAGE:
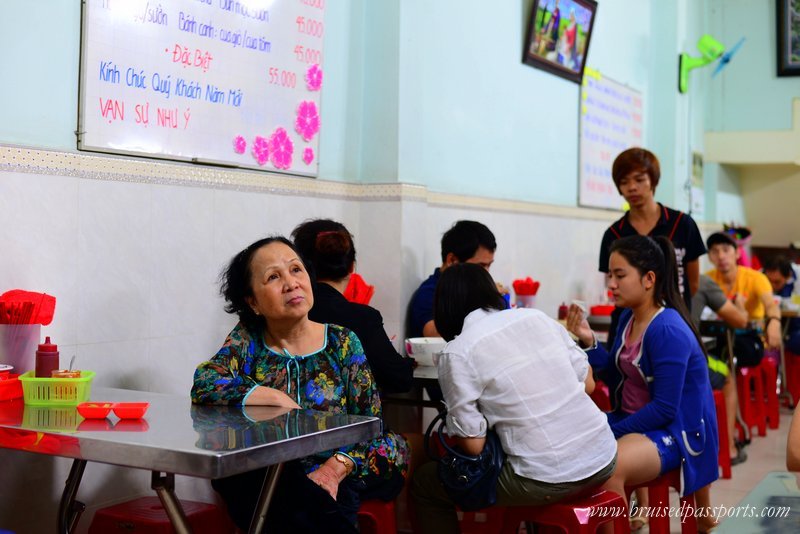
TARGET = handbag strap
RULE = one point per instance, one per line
(440, 418)
(429, 432)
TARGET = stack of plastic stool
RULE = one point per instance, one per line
(146, 516)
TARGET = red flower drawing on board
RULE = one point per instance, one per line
(314, 77)
(308, 155)
(281, 149)
(261, 150)
(307, 122)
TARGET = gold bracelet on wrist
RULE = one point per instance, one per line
(345, 461)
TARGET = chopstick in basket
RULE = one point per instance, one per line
(27, 315)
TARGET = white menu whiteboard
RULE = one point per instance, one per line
(232, 82)
(610, 122)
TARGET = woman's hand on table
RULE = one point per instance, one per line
(579, 326)
(264, 396)
(264, 413)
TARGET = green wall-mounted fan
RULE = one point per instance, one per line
(710, 50)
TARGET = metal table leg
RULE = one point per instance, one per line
(70, 510)
(732, 366)
(165, 488)
(267, 491)
(783, 391)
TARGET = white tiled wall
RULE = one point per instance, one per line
(135, 266)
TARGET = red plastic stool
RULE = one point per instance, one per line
(724, 456)
(658, 493)
(600, 396)
(576, 515)
(377, 517)
(486, 521)
(792, 385)
(750, 387)
(769, 369)
(146, 515)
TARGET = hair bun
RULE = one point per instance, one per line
(333, 243)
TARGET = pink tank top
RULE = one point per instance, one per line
(634, 391)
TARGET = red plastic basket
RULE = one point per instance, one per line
(11, 388)
(601, 309)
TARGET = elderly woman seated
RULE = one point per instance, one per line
(277, 356)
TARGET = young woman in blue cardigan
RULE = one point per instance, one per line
(663, 411)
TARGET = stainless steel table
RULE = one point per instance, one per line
(772, 506)
(424, 376)
(176, 437)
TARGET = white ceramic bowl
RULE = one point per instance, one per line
(422, 349)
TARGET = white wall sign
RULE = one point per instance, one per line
(231, 82)
(610, 122)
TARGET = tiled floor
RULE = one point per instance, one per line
(764, 454)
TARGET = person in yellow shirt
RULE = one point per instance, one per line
(753, 286)
(751, 289)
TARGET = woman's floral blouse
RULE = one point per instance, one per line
(336, 379)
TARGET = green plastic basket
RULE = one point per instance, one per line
(43, 418)
(56, 391)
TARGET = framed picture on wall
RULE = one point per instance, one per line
(788, 18)
(558, 36)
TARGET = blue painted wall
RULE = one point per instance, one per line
(435, 93)
(748, 94)
(475, 120)
(39, 51)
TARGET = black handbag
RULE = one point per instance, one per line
(748, 348)
(470, 481)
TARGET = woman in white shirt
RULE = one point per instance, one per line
(518, 372)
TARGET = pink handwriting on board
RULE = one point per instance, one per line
(312, 27)
(167, 118)
(304, 54)
(199, 58)
(143, 113)
(112, 109)
(283, 78)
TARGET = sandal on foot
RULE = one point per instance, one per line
(637, 522)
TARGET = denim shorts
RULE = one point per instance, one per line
(666, 444)
(668, 450)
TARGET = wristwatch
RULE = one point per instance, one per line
(345, 460)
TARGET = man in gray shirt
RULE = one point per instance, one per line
(734, 315)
